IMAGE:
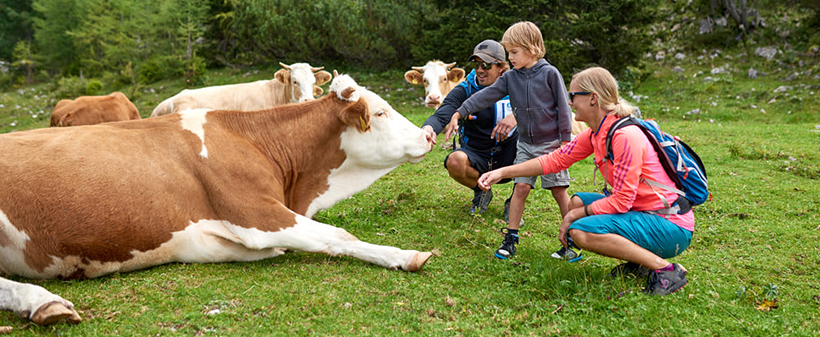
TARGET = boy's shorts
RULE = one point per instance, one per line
(528, 151)
(654, 233)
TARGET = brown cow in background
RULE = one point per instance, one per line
(87, 110)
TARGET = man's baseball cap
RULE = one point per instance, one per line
(489, 50)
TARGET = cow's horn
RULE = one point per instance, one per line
(419, 69)
(335, 73)
(284, 65)
(315, 69)
(449, 65)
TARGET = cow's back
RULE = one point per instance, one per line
(98, 192)
(89, 110)
(243, 97)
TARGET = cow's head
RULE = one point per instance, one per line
(378, 137)
(302, 81)
(437, 79)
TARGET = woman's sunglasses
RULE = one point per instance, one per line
(573, 94)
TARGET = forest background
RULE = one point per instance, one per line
(120, 43)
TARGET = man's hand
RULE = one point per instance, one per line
(453, 126)
(503, 128)
(431, 134)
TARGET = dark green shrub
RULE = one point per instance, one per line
(159, 68)
(93, 87)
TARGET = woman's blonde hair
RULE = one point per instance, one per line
(526, 35)
(601, 82)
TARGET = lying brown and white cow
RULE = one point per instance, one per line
(88, 110)
(438, 79)
(294, 83)
(232, 186)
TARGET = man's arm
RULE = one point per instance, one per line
(441, 117)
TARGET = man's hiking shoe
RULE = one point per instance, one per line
(480, 201)
(507, 249)
(568, 254)
(507, 213)
(629, 269)
(663, 282)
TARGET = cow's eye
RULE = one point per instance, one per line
(380, 114)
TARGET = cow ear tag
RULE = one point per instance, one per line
(364, 124)
(415, 81)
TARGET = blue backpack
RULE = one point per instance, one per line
(681, 163)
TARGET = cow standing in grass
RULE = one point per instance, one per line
(294, 83)
(197, 186)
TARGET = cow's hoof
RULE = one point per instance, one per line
(417, 262)
(55, 312)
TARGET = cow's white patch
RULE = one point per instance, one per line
(12, 260)
(343, 182)
(193, 120)
(342, 82)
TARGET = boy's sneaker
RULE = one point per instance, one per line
(507, 249)
(663, 282)
(481, 200)
(629, 269)
(568, 254)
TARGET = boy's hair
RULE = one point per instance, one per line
(526, 35)
(601, 82)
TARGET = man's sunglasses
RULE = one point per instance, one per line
(485, 65)
(573, 94)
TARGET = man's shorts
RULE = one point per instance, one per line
(654, 233)
(480, 160)
(529, 151)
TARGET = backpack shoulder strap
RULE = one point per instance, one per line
(620, 123)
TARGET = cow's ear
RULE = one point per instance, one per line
(283, 76)
(455, 74)
(317, 91)
(322, 77)
(413, 77)
(357, 115)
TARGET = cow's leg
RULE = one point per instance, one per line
(35, 303)
(311, 236)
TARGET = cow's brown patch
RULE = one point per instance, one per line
(99, 193)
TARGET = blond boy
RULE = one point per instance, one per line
(538, 98)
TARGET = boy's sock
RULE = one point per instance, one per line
(512, 231)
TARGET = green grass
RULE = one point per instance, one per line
(757, 239)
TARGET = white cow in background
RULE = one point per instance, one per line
(438, 79)
(294, 83)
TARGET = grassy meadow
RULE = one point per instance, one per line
(752, 264)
